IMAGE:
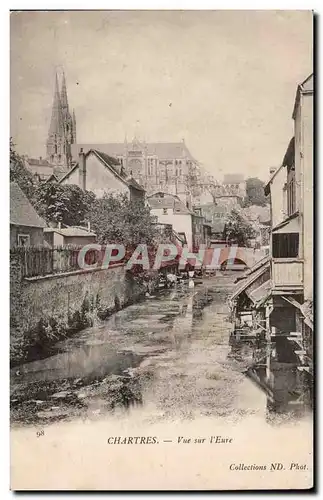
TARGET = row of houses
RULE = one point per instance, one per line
(274, 299)
(102, 174)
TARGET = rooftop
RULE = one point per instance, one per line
(112, 164)
(166, 200)
(255, 273)
(38, 161)
(70, 231)
(163, 150)
(22, 213)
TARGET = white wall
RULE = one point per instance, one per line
(73, 178)
(182, 223)
(306, 163)
(99, 178)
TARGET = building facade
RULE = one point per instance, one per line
(170, 209)
(97, 172)
(161, 166)
(281, 303)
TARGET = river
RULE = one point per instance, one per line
(161, 368)
(168, 354)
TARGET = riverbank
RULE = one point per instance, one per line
(161, 368)
(47, 309)
(119, 356)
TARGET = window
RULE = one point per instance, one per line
(23, 240)
(165, 211)
(285, 245)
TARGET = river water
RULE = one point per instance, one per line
(168, 354)
(161, 368)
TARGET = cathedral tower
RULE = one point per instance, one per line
(62, 129)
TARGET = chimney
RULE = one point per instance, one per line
(89, 226)
(188, 200)
(82, 170)
(59, 225)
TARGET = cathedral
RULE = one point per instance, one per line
(165, 167)
(62, 129)
(161, 166)
(158, 166)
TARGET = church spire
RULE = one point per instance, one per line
(64, 100)
(56, 123)
(74, 126)
(62, 130)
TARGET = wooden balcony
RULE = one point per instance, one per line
(287, 275)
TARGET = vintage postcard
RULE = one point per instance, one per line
(161, 250)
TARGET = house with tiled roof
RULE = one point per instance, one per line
(40, 167)
(26, 226)
(101, 173)
(69, 235)
(170, 209)
(157, 166)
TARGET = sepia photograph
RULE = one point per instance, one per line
(161, 250)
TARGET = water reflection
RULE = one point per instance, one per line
(285, 387)
(169, 354)
(99, 364)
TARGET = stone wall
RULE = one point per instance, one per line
(46, 309)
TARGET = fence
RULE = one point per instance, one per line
(41, 261)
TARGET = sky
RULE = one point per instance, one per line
(225, 81)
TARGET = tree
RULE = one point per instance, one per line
(67, 204)
(238, 228)
(20, 174)
(116, 219)
(255, 192)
